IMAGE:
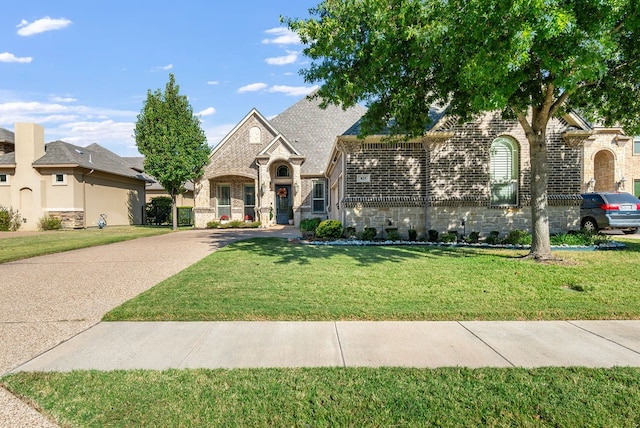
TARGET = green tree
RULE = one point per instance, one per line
(169, 137)
(530, 59)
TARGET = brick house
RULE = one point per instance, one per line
(263, 169)
(467, 177)
(58, 179)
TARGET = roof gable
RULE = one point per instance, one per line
(312, 130)
(254, 113)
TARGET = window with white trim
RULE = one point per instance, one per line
(318, 196)
(59, 179)
(4, 179)
(504, 172)
(636, 145)
(224, 201)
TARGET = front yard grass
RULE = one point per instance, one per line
(338, 397)
(272, 279)
(22, 247)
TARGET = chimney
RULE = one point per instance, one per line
(29, 143)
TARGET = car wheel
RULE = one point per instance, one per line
(630, 231)
(589, 225)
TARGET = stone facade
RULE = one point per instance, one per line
(70, 219)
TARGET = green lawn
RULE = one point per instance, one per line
(271, 279)
(21, 247)
(338, 397)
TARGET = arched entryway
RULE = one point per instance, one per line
(604, 171)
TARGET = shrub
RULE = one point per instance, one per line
(369, 233)
(350, 232)
(582, 237)
(159, 210)
(309, 224)
(9, 219)
(413, 234)
(473, 238)
(450, 236)
(517, 237)
(493, 237)
(48, 222)
(329, 229)
(393, 234)
(432, 235)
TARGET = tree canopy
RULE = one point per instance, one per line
(530, 59)
(169, 137)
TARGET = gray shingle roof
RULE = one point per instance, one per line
(137, 163)
(313, 130)
(435, 114)
(93, 156)
(8, 159)
(7, 136)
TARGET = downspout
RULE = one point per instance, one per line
(84, 198)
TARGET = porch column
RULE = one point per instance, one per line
(297, 190)
(265, 193)
(202, 210)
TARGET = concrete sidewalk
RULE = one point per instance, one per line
(163, 345)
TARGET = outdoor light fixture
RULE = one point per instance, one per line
(592, 184)
(263, 188)
(297, 187)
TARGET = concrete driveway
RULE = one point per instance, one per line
(47, 300)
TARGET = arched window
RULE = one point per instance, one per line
(504, 172)
(282, 171)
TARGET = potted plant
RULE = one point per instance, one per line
(248, 218)
(224, 219)
(290, 214)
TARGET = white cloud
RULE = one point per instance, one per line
(212, 82)
(293, 90)
(283, 60)
(41, 25)
(207, 112)
(163, 67)
(254, 87)
(63, 99)
(281, 36)
(113, 135)
(9, 57)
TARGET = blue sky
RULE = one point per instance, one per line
(82, 69)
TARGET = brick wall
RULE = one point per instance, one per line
(436, 183)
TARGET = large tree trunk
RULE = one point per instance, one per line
(540, 245)
(174, 211)
(537, 137)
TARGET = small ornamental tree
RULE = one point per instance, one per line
(169, 137)
(531, 60)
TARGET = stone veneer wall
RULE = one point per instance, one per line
(70, 219)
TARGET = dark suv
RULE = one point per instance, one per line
(604, 210)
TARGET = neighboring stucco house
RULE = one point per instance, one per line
(75, 184)
(470, 176)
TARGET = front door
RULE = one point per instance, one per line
(283, 201)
